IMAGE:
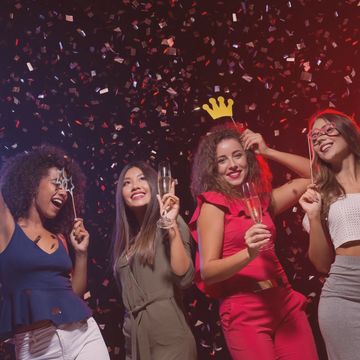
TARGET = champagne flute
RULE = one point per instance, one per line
(252, 201)
(253, 205)
(164, 186)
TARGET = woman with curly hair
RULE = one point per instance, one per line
(262, 317)
(40, 302)
(151, 266)
(332, 207)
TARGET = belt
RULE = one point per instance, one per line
(240, 287)
(268, 284)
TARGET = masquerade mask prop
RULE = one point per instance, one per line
(66, 183)
(328, 130)
(219, 109)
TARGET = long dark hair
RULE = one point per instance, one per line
(205, 177)
(324, 175)
(129, 237)
(21, 176)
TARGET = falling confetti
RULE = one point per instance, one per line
(111, 82)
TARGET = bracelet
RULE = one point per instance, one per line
(173, 225)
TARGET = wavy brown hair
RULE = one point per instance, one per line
(129, 236)
(324, 175)
(20, 179)
(205, 177)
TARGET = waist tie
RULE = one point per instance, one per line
(139, 340)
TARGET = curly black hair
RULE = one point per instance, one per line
(20, 178)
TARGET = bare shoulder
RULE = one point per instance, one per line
(210, 213)
(211, 223)
(210, 232)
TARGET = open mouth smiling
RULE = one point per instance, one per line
(137, 195)
(233, 174)
(326, 146)
(57, 202)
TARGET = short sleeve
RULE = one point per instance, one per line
(185, 280)
(225, 205)
(216, 199)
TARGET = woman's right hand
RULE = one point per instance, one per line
(256, 237)
(169, 204)
(310, 201)
(254, 141)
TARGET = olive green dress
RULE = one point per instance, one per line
(154, 326)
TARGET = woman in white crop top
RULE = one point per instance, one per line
(332, 207)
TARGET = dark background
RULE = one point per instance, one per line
(113, 81)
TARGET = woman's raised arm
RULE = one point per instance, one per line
(7, 224)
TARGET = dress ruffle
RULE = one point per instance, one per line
(28, 306)
(233, 208)
(236, 222)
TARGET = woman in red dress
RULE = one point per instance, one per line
(262, 317)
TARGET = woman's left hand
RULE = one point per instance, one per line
(169, 203)
(254, 141)
(79, 237)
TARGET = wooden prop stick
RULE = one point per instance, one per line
(311, 157)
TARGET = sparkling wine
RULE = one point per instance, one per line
(253, 205)
(164, 185)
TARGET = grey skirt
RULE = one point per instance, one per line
(339, 309)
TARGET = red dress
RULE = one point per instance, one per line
(269, 324)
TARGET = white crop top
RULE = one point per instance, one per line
(343, 220)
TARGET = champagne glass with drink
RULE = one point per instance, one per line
(253, 205)
(164, 187)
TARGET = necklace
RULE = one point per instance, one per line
(38, 238)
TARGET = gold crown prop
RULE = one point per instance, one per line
(219, 110)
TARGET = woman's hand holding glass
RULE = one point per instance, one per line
(168, 202)
(258, 236)
(169, 208)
